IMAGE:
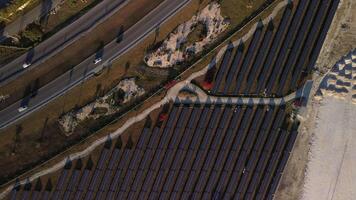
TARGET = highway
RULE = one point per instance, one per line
(60, 40)
(86, 68)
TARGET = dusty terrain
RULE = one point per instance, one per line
(340, 40)
(330, 173)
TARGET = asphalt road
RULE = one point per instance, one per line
(59, 41)
(86, 68)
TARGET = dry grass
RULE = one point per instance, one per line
(9, 53)
(237, 10)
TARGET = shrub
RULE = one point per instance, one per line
(33, 32)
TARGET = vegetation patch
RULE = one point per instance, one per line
(124, 92)
(199, 32)
(189, 38)
(61, 16)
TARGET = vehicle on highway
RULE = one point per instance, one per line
(22, 108)
(25, 65)
(97, 60)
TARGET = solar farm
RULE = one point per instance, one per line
(200, 151)
(279, 56)
(205, 150)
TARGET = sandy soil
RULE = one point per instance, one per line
(330, 172)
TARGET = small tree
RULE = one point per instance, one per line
(33, 32)
(119, 96)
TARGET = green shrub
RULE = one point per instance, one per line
(33, 32)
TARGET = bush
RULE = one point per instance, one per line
(33, 33)
(72, 3)
(119, 96)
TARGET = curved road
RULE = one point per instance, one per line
(60, 40)
(86, 68)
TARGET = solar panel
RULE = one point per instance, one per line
(222, 69)
(248, 58)
(291, 140)
(292, 31)
(36, 194)
(274, 50)
(261, 55)
(298, 44)
(322, 36)
(234, 67)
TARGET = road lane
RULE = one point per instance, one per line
(59, 41)
(86, 68)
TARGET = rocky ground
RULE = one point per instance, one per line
(109, 104)
(176, 47)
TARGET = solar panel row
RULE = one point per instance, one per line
(277, 58)
(249, 57)
(199, 152)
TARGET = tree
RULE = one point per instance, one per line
(119, 96)
(33, 33)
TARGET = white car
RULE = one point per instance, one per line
(98, 60)
(22, 108)
(25, 65)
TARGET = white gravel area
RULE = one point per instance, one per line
(331, 173)
(170, 52)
